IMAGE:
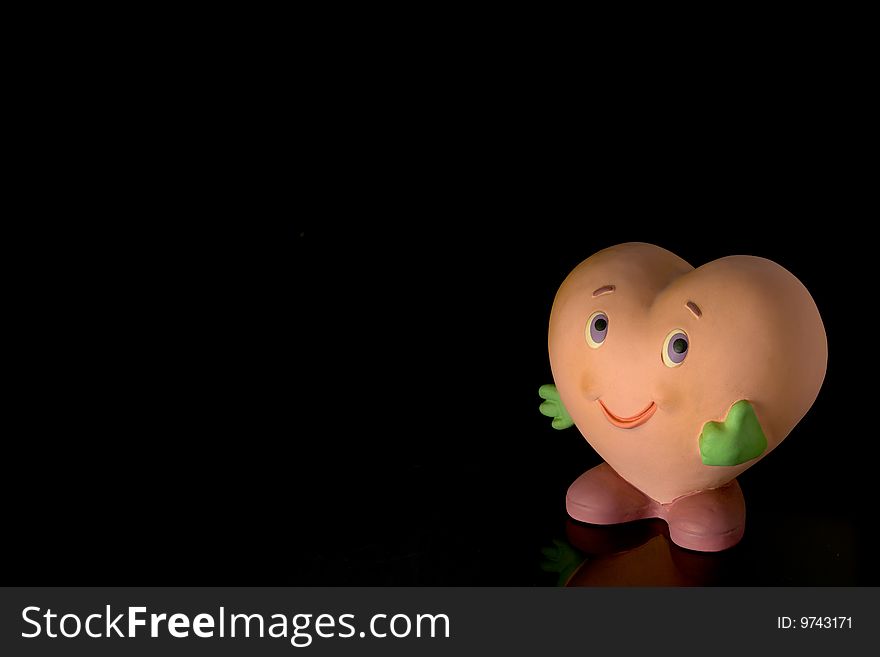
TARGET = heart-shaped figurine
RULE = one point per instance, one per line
(681, 379)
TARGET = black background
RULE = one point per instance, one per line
(350, 397)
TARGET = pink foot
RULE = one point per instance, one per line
(601, 497)
(709, 521)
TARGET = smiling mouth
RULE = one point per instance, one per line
(628, 422)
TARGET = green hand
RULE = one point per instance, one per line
(738, 439)
(561, 559)
(553, 407)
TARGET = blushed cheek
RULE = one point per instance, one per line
(670, 397)
(589, 385)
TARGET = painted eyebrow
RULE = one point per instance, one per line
(694, 308)
(605, 289)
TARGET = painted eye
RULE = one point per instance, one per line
(597, 329)
(675, 348)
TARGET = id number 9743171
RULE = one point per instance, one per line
(814, 622)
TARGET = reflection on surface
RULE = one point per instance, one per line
(633, 554)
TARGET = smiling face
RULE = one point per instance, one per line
(645, 350)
